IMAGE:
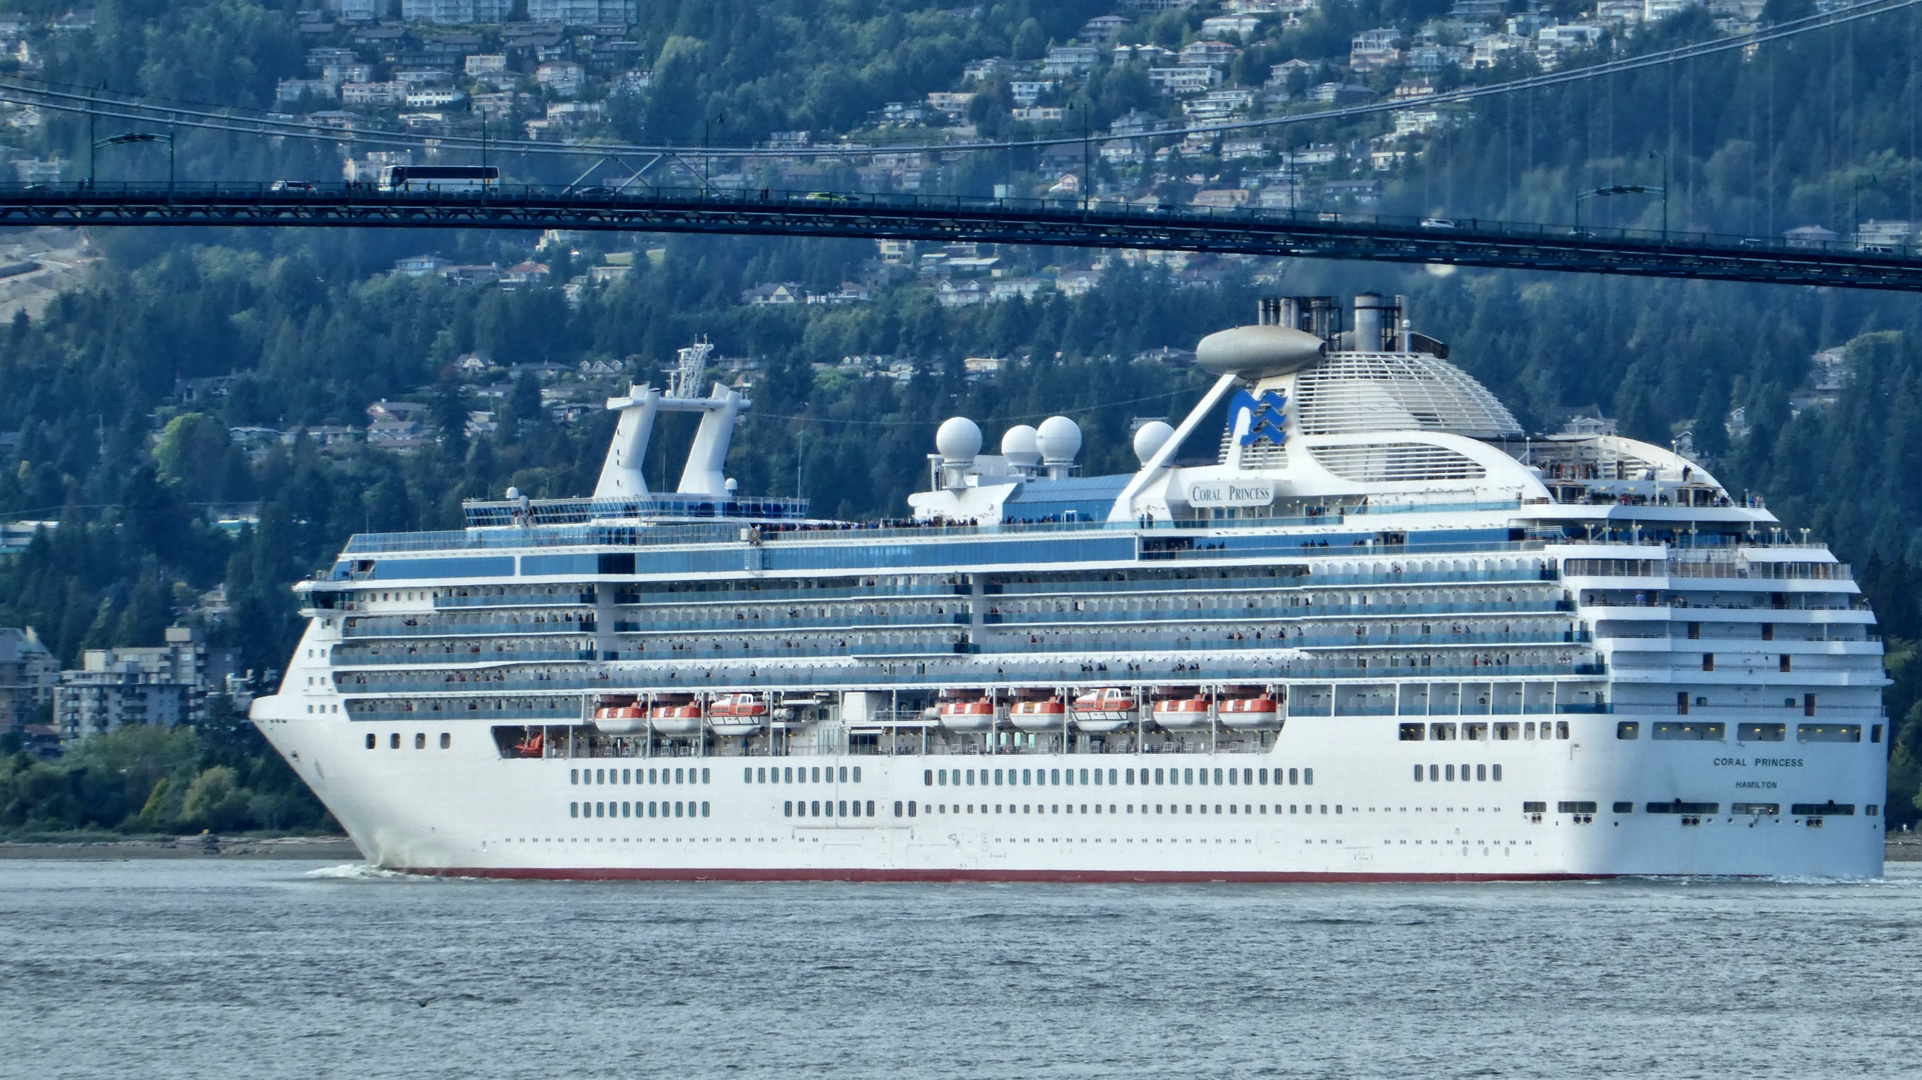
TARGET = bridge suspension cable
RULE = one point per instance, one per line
(210, 118)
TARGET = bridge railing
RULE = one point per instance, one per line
(829, 204)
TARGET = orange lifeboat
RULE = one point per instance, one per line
(976, 715)
(1182, 714)
(1044, 715)
(534, 745)
(1104, 709)
(736, 714)
(621, 719)
(1249, 713)
(675, 719)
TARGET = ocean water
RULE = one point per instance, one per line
(227, 968)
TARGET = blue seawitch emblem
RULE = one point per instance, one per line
(1268, 416)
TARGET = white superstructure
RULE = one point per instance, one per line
(1381, 634)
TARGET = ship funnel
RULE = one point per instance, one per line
(1370, 310)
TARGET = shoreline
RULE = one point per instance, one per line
(184, 847)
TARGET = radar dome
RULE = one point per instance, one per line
(1019, 445)
(959, 439)
(1151, 437)
(1059, 439)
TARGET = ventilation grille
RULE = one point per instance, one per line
(1394, 463)
(1262, 455)
(1356, 392)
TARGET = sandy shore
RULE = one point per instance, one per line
(188, 847)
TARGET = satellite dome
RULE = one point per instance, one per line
(513, 493)
(1020, 446)
(1059, 439)
(959, 439)
(1151, 437)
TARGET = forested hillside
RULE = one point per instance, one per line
(1821, 130)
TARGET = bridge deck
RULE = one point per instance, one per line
(1298, 234)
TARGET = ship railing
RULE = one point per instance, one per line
(928, 676)
(359, 628)
(1305, 611)
(611, 534)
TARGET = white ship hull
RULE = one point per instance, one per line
(466, 811)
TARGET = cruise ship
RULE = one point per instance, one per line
(1346, 621)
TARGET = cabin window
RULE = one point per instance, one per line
(1263, 774)
(678, 777)
(1441, 732)
(857, 774)
(653, 810)
(1434, 773)
(1628, 730)
(1761, 732)
(747, 775)
(1217, 777)
(600, 809)
(704, 775)
(573, 809)
(997, 778)
(910, 807)
(1875, 733)
(625, 807)
(844, 775)
(1561, 729)
(1783, 662)
(832, 811)
(1187, 776)
(1308, 777)
(370, 740)
(600, 776)
(870, 807)
(1448, 772)
(393, 741)
(927, 777)
(814, 808)
(1413, 732)
(1027, 777)
(787, 775)
(1054, 776)
(1481, 772)
(1418, 774)
(446, 740)
(1157, 777)
(1084, 776)
(1232, 777)
(897, 808)
(787, 808)
(941, 777)
(817, 774)
(1495, 773)
(420, 740)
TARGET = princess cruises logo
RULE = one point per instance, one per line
(1267, 416)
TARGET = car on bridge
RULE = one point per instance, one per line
(1437, 223)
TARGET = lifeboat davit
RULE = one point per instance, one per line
(621, 719)
(736, 714)
(1105, 709)
(1247, 713)
(1038, 715)
(976, 715)
(675, 719)
(1182, 714)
